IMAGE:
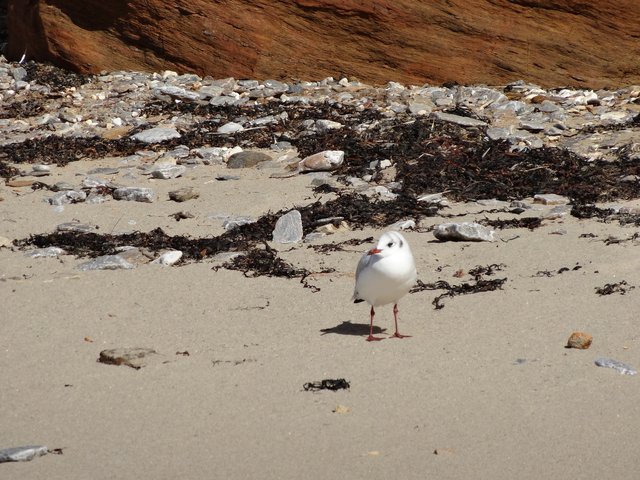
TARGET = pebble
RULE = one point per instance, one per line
(156, 135)
(622, 368)
(131, 357)
(136, 194)
(106, 262)
(550, 199)
(247, 159)
(168, 258)
(75, 227)
(579, 340)
(402, 225)
(459, 120)
(464, 231)
(67, 196)
(22, 454)
(288, 228)
(322, 161)
(184, 194)
(166, 172)
(233, 222)
(231, 127)
(323, 126)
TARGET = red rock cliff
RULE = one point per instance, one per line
(590, 43)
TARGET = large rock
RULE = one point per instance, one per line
(564, 42)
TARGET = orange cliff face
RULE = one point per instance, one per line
(587, 43)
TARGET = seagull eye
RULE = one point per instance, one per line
(390, 244)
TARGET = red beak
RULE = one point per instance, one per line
(373, 251)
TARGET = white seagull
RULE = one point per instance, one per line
(384, 275)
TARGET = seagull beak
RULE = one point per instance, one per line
(373, 251)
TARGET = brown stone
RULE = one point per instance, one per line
(590, 43)
(579, 340)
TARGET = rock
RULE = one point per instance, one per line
(5, 242)
(550, 199)
(323, 126)
(459, 120)
(177, 93)
(166, 172)
(233, 222)
(430, 41)
(231, 127)
(322, 161)
(247, 159)
(136, 194)
(131, 357)
(622, 368)
(75, 227)
(68, 196)
(133, 255)
(45, 252)
(106, 262)
(464, 231)
(184, 194)
(288, 228)
(22, 454)
(168, 258)
(225, 178)
(402, 225)
(579, 340)
(156, 135)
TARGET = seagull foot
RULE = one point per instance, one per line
(371, 338)
(399, 335)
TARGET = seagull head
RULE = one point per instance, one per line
(389, 243)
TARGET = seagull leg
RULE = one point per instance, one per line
(371, 338)
(395, 318)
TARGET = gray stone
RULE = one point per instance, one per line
(212, 154)
(22, 454)
(288, 228)
(322, 161)
(224, 178)
(136, 194)
(131, 357)
(62, 186)
(276, 86)
(231, 127)
(93, 182)
(183, 194)
(233, 222)
(247, 159)
(104, 171)
(67, 196)
(166, 172)
(106, 262)
(177, 93)
(210, 91)
(168, 258)
(459, 120)
(326, 125)
(45, 252)
(156, 135)
(550, 199)
(75, 227)
(464, 231)
(620, 367)
(402, 225)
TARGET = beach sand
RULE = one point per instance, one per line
(484, 388)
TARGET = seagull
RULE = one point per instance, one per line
(384, 275)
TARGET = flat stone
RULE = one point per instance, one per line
(326, 125)
(459, 119)
(247, 159)
(620, 367)
(288, 228)
(75, 227)
(579, 340)
(184, 194)
(131, 357)
(22, 454)
(464, 231)
(45, 252)
(136, 194)
(167, 172)
(322, 161)
(233, 222)
(67, 196)
(231, 127)
(402, 225)
(156, 135)
(106, 262)
(550, 199)
(178, 93)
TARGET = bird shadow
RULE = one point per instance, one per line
(348, 328)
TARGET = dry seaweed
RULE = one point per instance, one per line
(327, 384)
(527, 222)
(620, 287)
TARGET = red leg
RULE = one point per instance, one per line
(371, 338)
(395, 318)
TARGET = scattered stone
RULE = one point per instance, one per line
(550, 199)
(247, 159)
(131, 357)
(75, 227)
(5, 242)
(322, 161)
(233, 222)
(135, 194)
(45, 252)
(288, 228)
(464, 231)
(168, 258)
(106, 262)
(622, 368)
(341, 409)
(459, 120)
(579, 340)
(323, 126)
(22, 454)
(67, 196)
(156, 135)
(224, 178)
(166, 172)
(402, 225)
(231, 127)
(184, 194)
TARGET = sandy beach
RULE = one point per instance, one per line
(484, 388)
